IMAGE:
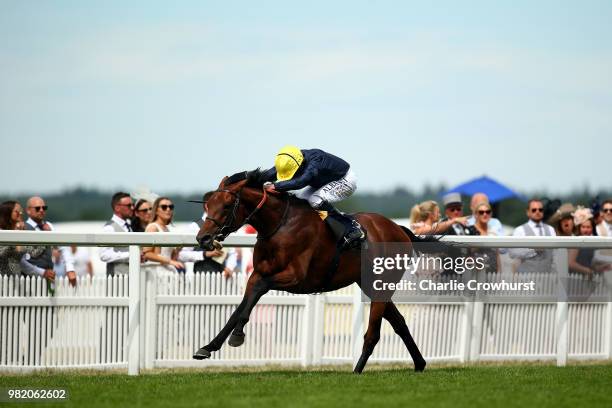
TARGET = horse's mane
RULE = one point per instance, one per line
(235, 178)
(256, 179)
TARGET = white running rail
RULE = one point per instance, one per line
(153, 318)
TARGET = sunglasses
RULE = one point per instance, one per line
(455, 209)
(482, 212)
(165, 207)
(127, 205)
(535, 210)
(607, 210)
(38, 208)
(145, 209)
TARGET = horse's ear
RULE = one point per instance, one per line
(222, 184)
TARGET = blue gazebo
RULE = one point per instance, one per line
(492, 188)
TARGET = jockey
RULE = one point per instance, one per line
(320, 178)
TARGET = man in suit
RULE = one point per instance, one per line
(604, 228)
(117, 258)
(534, 260)
(453, 208)
(36, 209)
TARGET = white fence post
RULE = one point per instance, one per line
(149, 305)
(607, 281)
(608, 336)
(562, 331)
(358, 326)
(318, 330)
(477, 323)
(467, 318)
(133, 340)
(143, 318)
(308, 330)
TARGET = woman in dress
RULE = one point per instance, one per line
(581, 260)
(482, 213)
(11, 257)
(163, 210)
(563, 220)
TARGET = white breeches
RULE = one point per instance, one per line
(332, 192)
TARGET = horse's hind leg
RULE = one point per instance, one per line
(395, 318)
(253, 292)
(372, 335)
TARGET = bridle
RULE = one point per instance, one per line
(227, 227)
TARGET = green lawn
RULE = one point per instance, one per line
(474, 386)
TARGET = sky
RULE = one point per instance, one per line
(175, 95)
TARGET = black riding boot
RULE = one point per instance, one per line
(348, 230)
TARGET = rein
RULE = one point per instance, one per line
(223, 230)
(280, 223)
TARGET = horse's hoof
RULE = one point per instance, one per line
(236, 340)
(201, 354)
(420, 367)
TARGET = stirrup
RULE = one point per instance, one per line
(354, 237)
(359, 229)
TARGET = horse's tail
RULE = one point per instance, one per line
(427, 243)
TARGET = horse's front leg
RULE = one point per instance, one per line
(256, 288)
(251, 296)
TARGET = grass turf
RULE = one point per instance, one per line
(472, 386)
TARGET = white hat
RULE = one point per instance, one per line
(581, 215)
(145, 193)
(451, 198)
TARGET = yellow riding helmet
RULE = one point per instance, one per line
(287, 162)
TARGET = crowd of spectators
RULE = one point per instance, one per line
(562, 220)
(157, 216)
(146, 215)
(27, 259)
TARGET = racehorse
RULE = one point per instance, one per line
(296, 252)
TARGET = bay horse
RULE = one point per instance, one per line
(294, 252)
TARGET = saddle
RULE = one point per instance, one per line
(340, 230)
